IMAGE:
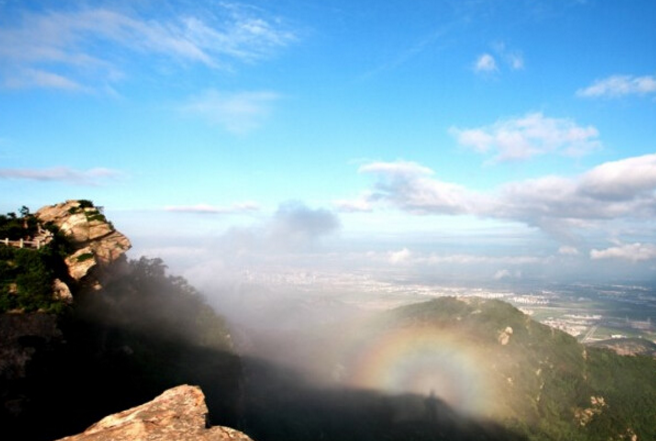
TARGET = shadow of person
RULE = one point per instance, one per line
(431, 403)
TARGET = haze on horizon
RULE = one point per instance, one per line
(450, 140)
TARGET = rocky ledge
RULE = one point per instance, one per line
(96, 242)
(179, 414)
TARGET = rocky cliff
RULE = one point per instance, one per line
(37, 280)
(179, 414)
(96, 244)
(85, 333)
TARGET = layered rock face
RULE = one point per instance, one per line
(97, 244)
(179, 414)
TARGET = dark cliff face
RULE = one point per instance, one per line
(21, 337)
(61, 373)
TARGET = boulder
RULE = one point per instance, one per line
(179, 414)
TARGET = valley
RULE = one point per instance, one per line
(588, 311)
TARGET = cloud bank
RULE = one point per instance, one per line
(618, 190)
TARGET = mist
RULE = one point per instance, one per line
(304, 288)
(297, 272)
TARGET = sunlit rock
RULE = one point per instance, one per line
(179, 414)
(80, 262)
(97, 244)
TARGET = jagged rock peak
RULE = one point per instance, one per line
(96, 241)
(179, 414)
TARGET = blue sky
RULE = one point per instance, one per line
(502, 140)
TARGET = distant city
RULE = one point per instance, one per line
(589, 312)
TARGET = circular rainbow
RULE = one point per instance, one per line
(423, 361)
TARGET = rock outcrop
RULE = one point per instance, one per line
(179, 414)
(96, 242)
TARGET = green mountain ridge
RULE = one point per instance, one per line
(544, 383)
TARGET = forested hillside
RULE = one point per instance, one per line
(539, 381)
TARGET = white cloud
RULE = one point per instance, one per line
(63, 174)
(620, 85)
(619, 179)
(485, 63)
(528, 136)
(634, 252)
(242, 207)
(85, 47)
(405, 185)
(401, 256)
(238, 112)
